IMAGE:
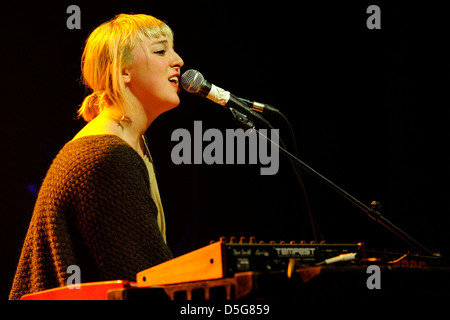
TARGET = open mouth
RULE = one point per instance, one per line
(175, 80)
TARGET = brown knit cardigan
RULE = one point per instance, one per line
(94, 210)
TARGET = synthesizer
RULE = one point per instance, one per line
(221, 260)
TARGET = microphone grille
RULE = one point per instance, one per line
(192, 80)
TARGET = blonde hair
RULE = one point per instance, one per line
(107, 51)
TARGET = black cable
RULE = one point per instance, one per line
(315, 226)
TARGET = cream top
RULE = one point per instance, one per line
(154, 191)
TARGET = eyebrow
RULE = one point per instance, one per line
(160, 42)
(164, 42)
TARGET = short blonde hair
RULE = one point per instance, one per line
(107, 51)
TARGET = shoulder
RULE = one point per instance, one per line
(100, 149)
(98, 157)
(103, 144)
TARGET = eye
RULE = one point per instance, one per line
(160, 52)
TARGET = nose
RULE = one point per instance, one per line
(177, 61)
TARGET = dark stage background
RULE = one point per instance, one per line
(364, 104)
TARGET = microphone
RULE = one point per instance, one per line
(193, 82)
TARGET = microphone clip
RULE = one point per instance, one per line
(261, 107)
(241, 119)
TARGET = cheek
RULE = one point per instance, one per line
(150, 83)
(146, 81)
(153, 89)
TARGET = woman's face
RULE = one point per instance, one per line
(154, 78)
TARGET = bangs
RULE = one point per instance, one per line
(138, 29)
(158, 31)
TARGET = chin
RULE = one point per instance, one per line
(169, 105)
(173, 104)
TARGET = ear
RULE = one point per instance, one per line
(126, 75)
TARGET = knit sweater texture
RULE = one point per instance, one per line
(94, 210)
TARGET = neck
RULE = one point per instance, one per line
(130, 130)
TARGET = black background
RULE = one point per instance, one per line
(365, 106)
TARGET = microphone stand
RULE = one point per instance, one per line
(243, 121)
